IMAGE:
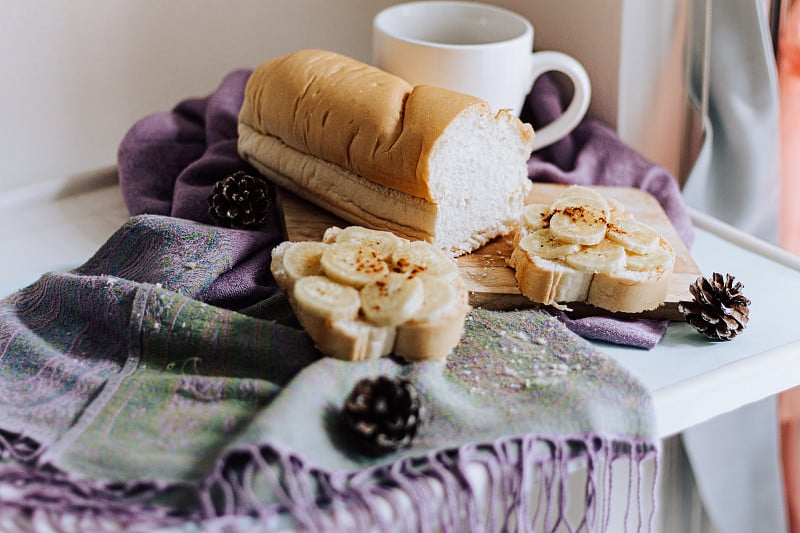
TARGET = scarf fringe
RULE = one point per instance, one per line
(19, 447)
(525, 488)
(511, 484)
(46, 499)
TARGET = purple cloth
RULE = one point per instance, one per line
(169, 162)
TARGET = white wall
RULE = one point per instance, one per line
(78, 73)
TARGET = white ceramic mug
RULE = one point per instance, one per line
(477, 49)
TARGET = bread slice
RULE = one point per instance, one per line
(585, 248)
(363, 293)
(423, 162)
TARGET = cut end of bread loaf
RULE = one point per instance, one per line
(478, 179)
(362, 294)
(423, 162)
(582, 248)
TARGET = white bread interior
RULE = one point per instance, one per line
(423, 162)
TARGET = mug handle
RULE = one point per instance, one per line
(542, 62)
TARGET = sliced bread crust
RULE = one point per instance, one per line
(546, 275)
(359, 339)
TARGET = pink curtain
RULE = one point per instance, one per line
(789, 86)
(789, 409)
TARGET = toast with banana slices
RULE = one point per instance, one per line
(362, 293)
(584, 247)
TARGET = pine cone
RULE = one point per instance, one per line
(383, 413)
(718, 310)
(239, 201)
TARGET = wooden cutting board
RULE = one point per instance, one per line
(490, 281)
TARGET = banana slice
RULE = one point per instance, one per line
(302, 259)
(578, 225)
(635, 236)
(542, 243)
(536, 216)
(605, 258)
(581, 195)
(615, 205)
(440, 298)
(419, 258)
(659, 259)
(383, 242)
(392, 300)
(353, 264)
(326, 298)
(580, 216)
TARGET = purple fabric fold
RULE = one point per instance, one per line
(169, 162)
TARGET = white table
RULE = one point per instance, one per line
(692, 379)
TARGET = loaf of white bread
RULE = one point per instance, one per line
(423, 162)
(363, 293)
(584, 247)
